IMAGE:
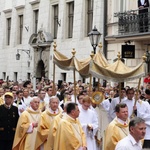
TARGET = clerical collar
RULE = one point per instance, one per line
(53, 112)
(74, 120)
(121, 121)
(30, 108)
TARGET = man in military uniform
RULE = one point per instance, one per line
(8, 121)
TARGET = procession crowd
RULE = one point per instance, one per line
(61, 117)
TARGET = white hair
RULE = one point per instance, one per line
(54, 97)
(33, 98)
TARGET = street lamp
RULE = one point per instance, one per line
(94, 37)
(148, 56)
(24, 50)
(148, 60)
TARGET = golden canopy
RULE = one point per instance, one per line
(98, 66)
(118, 71)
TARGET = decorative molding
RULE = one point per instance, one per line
(20, 7)
(54, 2)
(41, 39)
(7, 10)
(33, 2)
(68, 1)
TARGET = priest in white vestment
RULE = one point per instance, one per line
(89, 122)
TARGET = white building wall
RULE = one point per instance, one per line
(80, 42)
(113, 46)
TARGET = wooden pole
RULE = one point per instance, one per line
(137, 93)
(98, 84)
(136, 98)
(74, 78)
(90, 86)
(119, 92)
(74, 74)
(54, 88)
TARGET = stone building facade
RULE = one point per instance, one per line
(29, 27)
(123, 28)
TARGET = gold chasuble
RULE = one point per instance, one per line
(114, 133)
(52, 131)
(43, 128)
(1, 101)
(25, 140)
(69, 135)
(42, 105)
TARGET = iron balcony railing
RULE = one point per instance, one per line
(133, 21)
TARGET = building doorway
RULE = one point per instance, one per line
(40, 71)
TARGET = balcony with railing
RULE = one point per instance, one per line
(133, 22)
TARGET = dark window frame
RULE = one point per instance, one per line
(20, 28)
(8, 30)
(36, 19)
(70, 18)
(56, 12)
(90, 5)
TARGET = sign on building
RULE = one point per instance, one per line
(128, 51)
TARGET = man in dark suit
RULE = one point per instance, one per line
(143, 15)
(8, 121)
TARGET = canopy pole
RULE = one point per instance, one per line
(119, 92)
(90, 86)
(54, 79)
(74, 78)
(54, 88)
(136, 97)
(98, 84)
(137, 93)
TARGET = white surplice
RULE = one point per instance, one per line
(89, 117)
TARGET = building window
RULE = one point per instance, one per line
(36, 16)
(4, 75)
(20, 28)
(55, 20)
(28, 76)
(8, 30)
(89, 15)
(70, 19)
(15, 76)
(63, 76)
(122, 5)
